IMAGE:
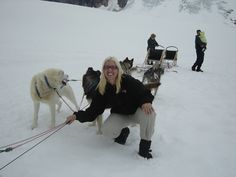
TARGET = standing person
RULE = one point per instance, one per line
(200, 49)
(152, 52)
(130, 102)
(152, 43)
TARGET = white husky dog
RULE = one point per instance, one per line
(47, 87)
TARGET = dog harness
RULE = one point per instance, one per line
(47, 83)
(46, 80)
(37, 90)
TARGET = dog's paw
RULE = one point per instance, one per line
(52, 125)
(99, 132)
(33, 126)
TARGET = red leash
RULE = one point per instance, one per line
(53, 130)
(27, 140)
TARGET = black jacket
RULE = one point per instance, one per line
(132, 95)
(152, 43)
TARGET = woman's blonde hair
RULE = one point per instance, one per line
(103, 81)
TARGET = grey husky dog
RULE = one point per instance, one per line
(127, 65)
(152, 78)
(89, 83)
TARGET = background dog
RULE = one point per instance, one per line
(47, 87)
(89, 83)
(126, 65)
(152, 78)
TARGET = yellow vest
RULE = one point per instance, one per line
(203, 37)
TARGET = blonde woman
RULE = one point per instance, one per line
(130, 103)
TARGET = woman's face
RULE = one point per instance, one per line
(110, 71)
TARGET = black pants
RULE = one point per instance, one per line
(155, 55)
(199, 60)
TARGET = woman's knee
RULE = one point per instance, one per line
(113, 125)
(146, 117)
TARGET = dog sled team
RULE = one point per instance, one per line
(114, 87)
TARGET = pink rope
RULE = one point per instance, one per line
(27, 140)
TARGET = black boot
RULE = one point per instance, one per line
(199, 70)
(144, 149)
(121, 139)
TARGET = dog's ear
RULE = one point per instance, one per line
(61, 73)
(90, 69)
(98, 72)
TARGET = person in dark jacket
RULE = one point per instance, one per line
(152, 43)
(130, 103)
(200, 47)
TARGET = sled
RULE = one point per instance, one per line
(141, 68)
(155, 57)
(170, 58)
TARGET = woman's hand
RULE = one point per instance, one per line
(147, 108)
(70, 119)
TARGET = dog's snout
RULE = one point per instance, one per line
(66, 76)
